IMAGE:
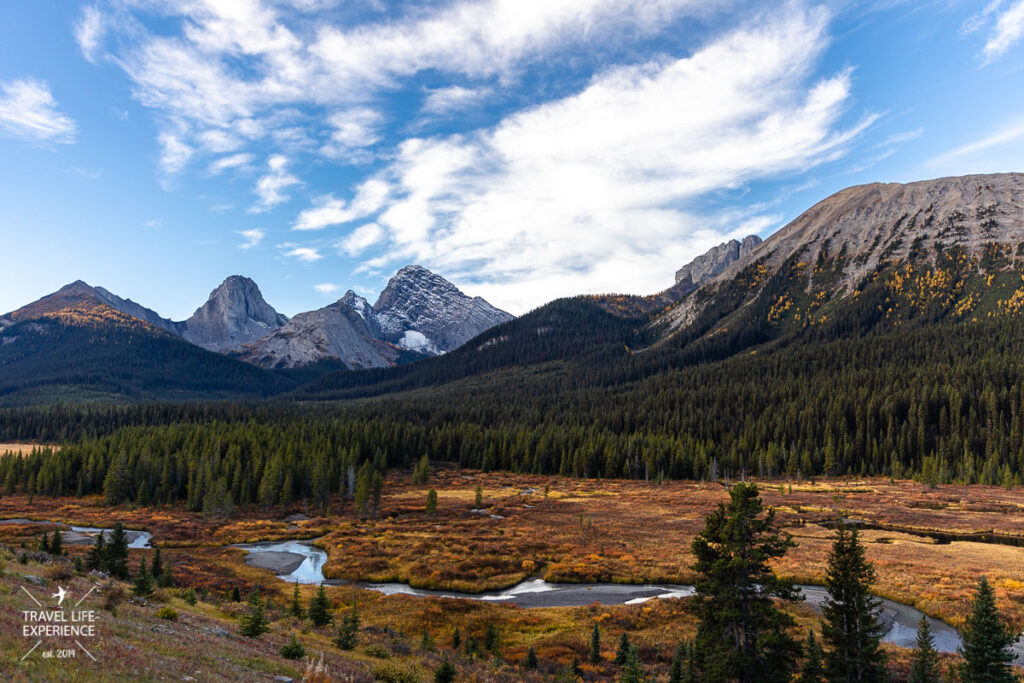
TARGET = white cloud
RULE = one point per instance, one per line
(591, 193)
(327, 288)
(238, 64)
(1008, 31)
(328, 210)
(270, 188)
(174, 153)
(362, 238)
(29, 111)
(453, 98)
(231, 161)
(253, 238)
(89, 32)
(307, 254)
(353, 130)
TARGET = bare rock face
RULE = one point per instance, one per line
(234, 314)
(417, 313)
(423, 312)
(717, 259)
(870, 225)
(335, 332)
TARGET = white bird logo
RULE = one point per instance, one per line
(60, 595)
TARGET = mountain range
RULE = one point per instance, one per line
(869, 259)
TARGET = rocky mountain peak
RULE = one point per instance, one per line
(421, 311)
(716, 260)
(234, 314)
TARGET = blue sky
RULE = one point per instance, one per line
(524, 150)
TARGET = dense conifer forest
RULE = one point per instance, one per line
(942, 402)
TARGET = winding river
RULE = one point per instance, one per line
(302, 562)
(299, 561)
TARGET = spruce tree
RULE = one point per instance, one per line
(445, 672)
(986, 641)
(531, 658)
(96, 558)
(56, 546)
(293, 649)
(295, 607)
(143, 580)
(595, 645)
(622, 654)
(742, 634)
(319, 608)
(492, 639)
(431, 507)
(632, 671)
(925, 667)
(254, 622)
(813, 669)
(44, 543)
(117, 552)
(456, 639)
(682, 669)
(348, 634)
(157, 568)
(851, 628)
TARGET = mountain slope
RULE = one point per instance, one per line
(234, 314)
(74, 348)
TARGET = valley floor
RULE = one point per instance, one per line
(565, 530)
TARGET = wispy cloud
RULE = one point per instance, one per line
(362, 238)
(270, 188)
(1008, 31)
(589, 193)
(231, 161)
(453, 98)
(253, 238)
(174, 153)
(89, 32)
(353, 131)
(1002, 137)
(329, 210)
(327, 289)
(28, 111)
(306, 254)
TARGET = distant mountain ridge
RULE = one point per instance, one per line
(418, 314)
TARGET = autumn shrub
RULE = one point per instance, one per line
(377, 650)
(113, 595)
(168, 613)
(394, 672)
(60, 571)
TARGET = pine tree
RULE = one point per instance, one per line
(986, 640)
(116, 555)
(456, 639)
(681, 670)
(96, 558)
(319, 608)
(492, 639)
(157, 568)
(56, 546)
(595, 645)
(421, 473)
(632, 671)
(445, 672)
(293, 649)
(813, 669)
(44, 543)
(295, 608)
(364, 482)
(851, 628)
(348, 634)
(254, 622)
(143, 580)
(742, 634)
(531, 659)
(622, 654)
(925, 667)
(478, 497)
(431, 506)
